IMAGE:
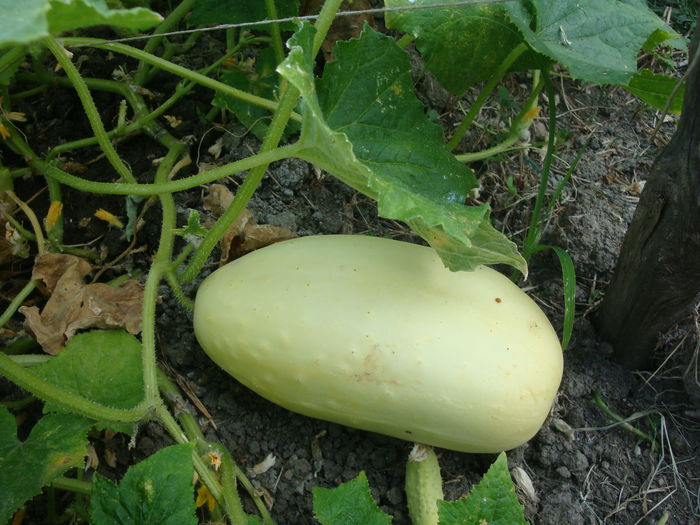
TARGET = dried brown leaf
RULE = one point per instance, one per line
(54, 267)
(245, 235)
(218, 199)
(74, 305)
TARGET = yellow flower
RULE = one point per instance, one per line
(215, 459)
(204, 496)
(110, 218)
(54, 213)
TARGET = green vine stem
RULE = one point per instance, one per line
(185, 301)
(280, 118)
(73, 485)
(17, 301)
(38, 234)
(76, 403)
(19, 404)
(171, 425)
(20, 146)
(20, 173)
(158, 268)
(277, 45)
(484, 94)
(90, 109)
(172, 20)
(520, 123)
(171, 395)
(246, 190)
(144, 118)
(324, 21)
(534, 230)
(183, 72)
(186, 183)
(12, 56)
(624, 423)
(232, 501)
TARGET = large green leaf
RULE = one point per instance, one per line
(363, 123)
(103, 366)
(596, 40)
(348, 504)
(157, 491)
(461, 45)
(57, 443)
(207, 12)
(492, 501)
(24, 21)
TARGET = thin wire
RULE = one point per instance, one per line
(295, 18)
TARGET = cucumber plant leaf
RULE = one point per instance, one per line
(103, 366)
(262, 82)
(350, 503)
(663, 33)
(596, 40)
(57, 443)
(363, 123)
(207, 12)
(492, 501)
(480, 37)
(159, 491)
(655, 89)
(29, 20)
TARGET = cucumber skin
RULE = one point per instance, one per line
(423, 487)
(377, 334)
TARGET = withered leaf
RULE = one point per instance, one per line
(74, 305)
(218, 199)
(245, 235)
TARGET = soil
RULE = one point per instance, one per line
(581, 468)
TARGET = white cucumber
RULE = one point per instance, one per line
(377, 334)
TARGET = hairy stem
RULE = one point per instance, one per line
(183, 72)
(284, 112)
(159, 267)
(90, 109)
(146, 190)
(166, 25)
(520, 122)
(277, 46)
(245, 192)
